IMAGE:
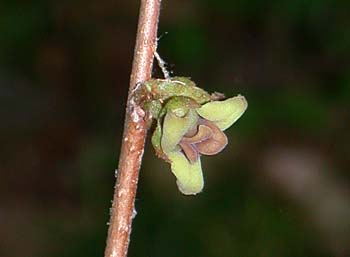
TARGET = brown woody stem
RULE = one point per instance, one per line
(135, 130)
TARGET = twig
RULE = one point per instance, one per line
(135, 130)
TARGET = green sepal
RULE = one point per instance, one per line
(156, 142)
(163, 89)
(153, 107)
(224, 113)
(179, 105)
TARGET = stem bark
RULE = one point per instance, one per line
(135, 130)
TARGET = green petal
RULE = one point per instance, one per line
(174, 128)
(189, 176)
(224, 113)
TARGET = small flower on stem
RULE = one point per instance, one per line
(187, 129)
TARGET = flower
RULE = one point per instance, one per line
(189, 130)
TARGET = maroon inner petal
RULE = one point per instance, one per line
(202, 134)
(215, 144)
(206, 138)
(190, 151)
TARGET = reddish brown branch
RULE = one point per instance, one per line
(134, 134)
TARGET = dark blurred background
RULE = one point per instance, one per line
(281, 187)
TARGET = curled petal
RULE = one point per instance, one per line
(190, 151)
(188, 144)
(174, 128)
(202, 134)
(224, 113)
(214, 144)
(189, 176)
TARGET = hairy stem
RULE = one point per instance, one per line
(134, 135)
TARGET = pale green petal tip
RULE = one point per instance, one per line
(224, 113)
(189, 176)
